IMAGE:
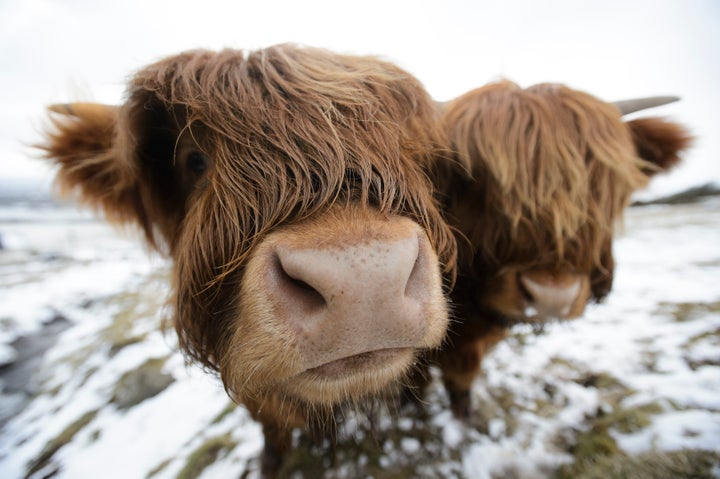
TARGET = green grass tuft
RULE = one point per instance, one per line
(205, 455)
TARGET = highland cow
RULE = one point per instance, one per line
(550, 171)
(290, 187)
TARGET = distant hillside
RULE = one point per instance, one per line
(691, 195)
(29, 191)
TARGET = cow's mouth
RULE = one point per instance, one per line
(353, 377)
(370, 360)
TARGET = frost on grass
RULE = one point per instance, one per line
(681, 464)
(208, 453)
(43, 460)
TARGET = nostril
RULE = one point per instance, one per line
(301, 284)
(416, 281)
(298, 291)
(524, 292)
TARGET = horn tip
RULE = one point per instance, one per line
(638, 104)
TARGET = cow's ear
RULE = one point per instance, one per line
(91, 164)
(659, 142)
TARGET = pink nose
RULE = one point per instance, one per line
(342, 300)
(550, 296)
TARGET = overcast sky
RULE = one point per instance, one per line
(54, 51)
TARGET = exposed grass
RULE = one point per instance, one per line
(629, 420)
(712, 335)
(684, 464)
(133, 306)
(603, 381)
(121, 343)
(378, 448)
(557, 361)
(597, 444)
(158, 469)
(55, 444)
(695, 364)
(709, 339)
(682, 312)
(131, 309)
(208, 453)
(229, 409)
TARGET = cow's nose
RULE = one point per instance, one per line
(330, 278)
(550, 295)
(347, 299)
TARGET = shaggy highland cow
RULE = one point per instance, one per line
(290, 186)
(551, 170)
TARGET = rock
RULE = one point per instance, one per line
(20, 360)
(145, 382)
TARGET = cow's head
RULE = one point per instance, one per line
(551, 170)
(290, 187)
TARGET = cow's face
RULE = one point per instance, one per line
(290, 187)
(551, 171)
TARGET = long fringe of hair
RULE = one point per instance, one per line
(552, 169)
(291, 131)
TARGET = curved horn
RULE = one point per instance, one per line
(637, 104)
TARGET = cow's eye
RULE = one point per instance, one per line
(197, 162)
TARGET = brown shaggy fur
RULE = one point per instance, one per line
(551, 169)
(289, 133)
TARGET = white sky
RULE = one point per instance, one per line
(53, 51)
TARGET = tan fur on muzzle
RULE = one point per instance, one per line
(336, 305)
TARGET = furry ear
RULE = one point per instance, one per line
(83, 143)
(659, 142)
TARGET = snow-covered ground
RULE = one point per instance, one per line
(91, 386)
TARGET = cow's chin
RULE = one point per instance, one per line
(531, 317)
(521, 313)
(350, 378)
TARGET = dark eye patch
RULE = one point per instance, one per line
(197, 162)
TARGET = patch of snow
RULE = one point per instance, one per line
(656, 334)
(675, 430)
